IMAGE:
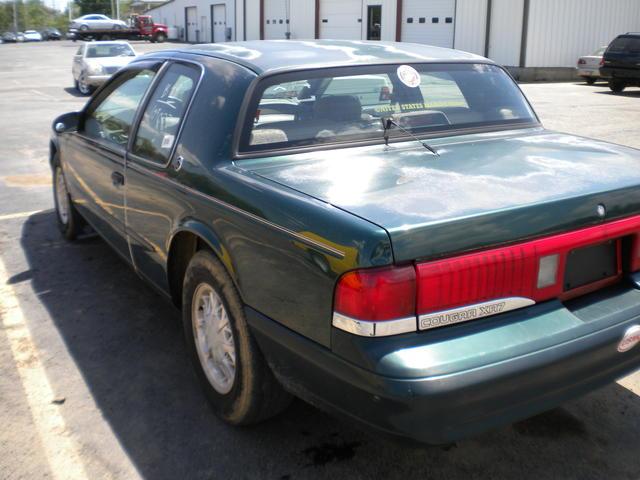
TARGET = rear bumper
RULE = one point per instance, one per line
(626, 74)
(440, 386)
(588, 72)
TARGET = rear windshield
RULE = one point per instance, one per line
(112, 50)
(625, 45)
(349, 104)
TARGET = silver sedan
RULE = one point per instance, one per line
(95, 62)
(589, 66)
(96, 22)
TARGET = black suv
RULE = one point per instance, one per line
(621, 62)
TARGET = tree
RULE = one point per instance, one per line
(31, 15)
(96, 6)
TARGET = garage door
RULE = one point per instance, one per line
(341, 19)
(276, 19)
(428, 21)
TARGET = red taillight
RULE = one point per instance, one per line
(386, 301)
(582, 61)
(602, 61)
(377, 294)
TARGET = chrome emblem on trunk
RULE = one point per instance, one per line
(630, 339)
(471, 312)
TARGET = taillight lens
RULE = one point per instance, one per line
(392, 300)
(582, 61)
(377, 294)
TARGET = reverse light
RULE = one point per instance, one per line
(547, 271)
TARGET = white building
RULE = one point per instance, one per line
(519, 33)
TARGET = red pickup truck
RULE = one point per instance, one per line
(141, 27)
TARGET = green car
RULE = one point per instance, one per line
(385, 230)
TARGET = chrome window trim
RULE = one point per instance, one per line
(365, 328)
(468, 313)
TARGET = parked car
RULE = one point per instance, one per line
(428, 271)
(95, 62)
(32, 36)
(621, 62)
(9, 37)
(20, 37)
(51, 34)
(589, 66)
(96, 22)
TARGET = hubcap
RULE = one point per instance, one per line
(62, 197)
(213, 338)
(82, 83)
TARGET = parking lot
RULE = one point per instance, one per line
(95, 383)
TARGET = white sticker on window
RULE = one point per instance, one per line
(167, 141)
(409, 76)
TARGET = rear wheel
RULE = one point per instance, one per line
(105, 37)
(590, 80)
(232, 371)
(69, 220)
(84, 28)
(617, 86)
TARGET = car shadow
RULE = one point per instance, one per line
(126, 342)
(626, 93)
(72, 91)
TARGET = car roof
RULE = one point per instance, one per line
(266, 56)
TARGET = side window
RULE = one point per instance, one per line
(109, 120)
(164, 113)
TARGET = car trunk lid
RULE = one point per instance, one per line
(482, 190)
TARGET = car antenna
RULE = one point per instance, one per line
(387, 123)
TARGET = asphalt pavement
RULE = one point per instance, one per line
(95, 382)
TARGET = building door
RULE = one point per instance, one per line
(219, 23)
(341, 19)
(374, 22)
(276, 19)
(191, 21)
(428, 22)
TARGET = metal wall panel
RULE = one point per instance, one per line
(470, 27)
(561, 31)
(506, 31)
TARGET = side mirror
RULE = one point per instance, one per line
(66, 122)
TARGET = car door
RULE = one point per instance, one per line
(94, 157)
(151, 208)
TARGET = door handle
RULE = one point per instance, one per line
(117, 179)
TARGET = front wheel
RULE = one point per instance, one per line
(235, 376)
(68, 219)
(160, 37)
(83, 87)
(617, 86)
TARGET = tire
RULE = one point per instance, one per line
(617, 86)
(106, 37)
(247, 393)
(84, 28)
(160, 38)
(590, 80)
(83, 87)
(69, 221)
